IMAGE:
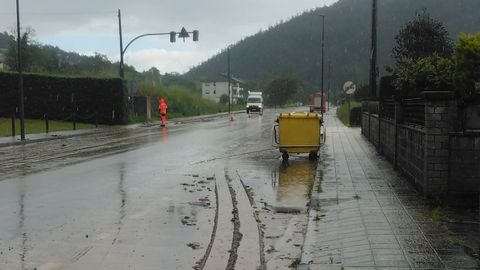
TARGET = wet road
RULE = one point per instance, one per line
(207, 195)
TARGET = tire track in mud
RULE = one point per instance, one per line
(232, 156)
(221, 240)
(263, 265)
(200, 265)
(237, 235)
(236, 241)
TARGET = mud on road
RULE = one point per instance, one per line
(210, 195)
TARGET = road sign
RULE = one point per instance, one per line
(349, 88)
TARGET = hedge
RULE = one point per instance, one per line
(63, 97)
(387, 89)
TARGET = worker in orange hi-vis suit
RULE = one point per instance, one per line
(162, 109)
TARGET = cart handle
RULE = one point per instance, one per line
(275, 141)
(301, 146)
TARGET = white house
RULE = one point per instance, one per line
(213, 90)
(3, 52)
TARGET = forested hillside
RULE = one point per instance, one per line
(47, 59)
(294, 47)
(4, 39)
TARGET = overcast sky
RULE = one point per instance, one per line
(88, 26)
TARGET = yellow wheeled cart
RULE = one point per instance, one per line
(299, 132)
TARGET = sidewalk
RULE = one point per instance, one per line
(365, 216)
(39, 137)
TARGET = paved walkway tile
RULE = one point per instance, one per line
(365, 216)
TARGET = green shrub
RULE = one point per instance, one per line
(224, 99)
(432, 73)
(181, 101)
(467, 60)
(344, 115)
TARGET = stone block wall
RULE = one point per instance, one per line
(440, 112)
(441, 163)
(411, 155)
(365, 124)
(464, 165)
(374, 126)
(387, 139)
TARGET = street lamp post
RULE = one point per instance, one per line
(323, 50)
(373, 53)
(20, 78)
(182, 34)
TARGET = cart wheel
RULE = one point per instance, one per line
(285, 156)
(313, 156)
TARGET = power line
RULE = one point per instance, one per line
(61, 13)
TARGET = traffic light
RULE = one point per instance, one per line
(173, 37)
(195, 35)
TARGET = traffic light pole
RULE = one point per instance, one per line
(20, 78)
(182, 34)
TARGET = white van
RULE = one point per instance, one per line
(254, 102)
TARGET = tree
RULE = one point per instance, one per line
(422, 37)
(432, 73)
(25, 43)
(467, 60)
(153, 74)
(224, 99)
(5, 39)
(281, 90)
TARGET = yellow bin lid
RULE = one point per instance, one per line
(300, 115)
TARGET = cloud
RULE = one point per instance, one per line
(166, 61)
(78, 25)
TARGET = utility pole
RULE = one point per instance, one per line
(122, 74)
(229, 82)
(373, 55)
(20, 78)
(328, 85)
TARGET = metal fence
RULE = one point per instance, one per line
(387, 109)
(414, 111)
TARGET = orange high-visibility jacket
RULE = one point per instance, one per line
(162, 106)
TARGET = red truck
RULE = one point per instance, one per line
(317, 102)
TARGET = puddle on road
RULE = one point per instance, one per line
(294, 181)
(164, 134)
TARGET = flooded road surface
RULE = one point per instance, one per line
(208, 195)
(214, 194)
(295, 181)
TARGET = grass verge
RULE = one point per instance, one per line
(37, 126)
(436, 214)
(344, 115)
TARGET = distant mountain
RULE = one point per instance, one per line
(294, 47)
